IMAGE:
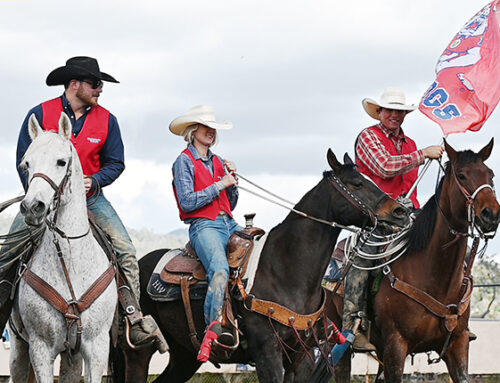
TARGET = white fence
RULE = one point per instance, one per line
(483, 356)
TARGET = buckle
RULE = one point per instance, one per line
(130, 309)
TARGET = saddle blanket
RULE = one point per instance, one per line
(161, 291)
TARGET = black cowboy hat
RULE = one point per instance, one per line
(80, 67)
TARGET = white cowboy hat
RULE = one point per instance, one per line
(392, 98)
(201, 114)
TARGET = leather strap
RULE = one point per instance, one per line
(189, 312)
(284, 315)
(431, 304)
(97, 288)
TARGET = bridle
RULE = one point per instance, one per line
(469, 204)
(56, 199)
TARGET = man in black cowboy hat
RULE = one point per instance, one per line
(97, 139)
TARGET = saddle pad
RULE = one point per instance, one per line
(161, 291)
(253, 263)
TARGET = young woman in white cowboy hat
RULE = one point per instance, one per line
(204, 187)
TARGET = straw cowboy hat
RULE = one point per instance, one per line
(201, 114)
(392, 98)
(76, 68)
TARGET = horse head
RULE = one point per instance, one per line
(373, 205)
(471, 180)
(49, 163)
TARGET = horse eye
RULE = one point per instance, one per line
(461, 177)
(357, 184)
(61, 163)
(24, 165)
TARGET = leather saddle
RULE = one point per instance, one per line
(186, 270)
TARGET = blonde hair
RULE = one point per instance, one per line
(188, 134)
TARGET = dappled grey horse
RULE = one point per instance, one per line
(67, 295)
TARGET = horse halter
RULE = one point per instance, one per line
(469, 198)
(337, 183)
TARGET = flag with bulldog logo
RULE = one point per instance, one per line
(467, 85)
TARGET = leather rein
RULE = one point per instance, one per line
(449, 313)
(72, 309)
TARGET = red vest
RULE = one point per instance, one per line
(90, 140)
(203, 179)
(398, 185)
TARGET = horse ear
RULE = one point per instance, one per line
(65, 127)
(34, 128)
(332, 160)
(348, 160)
(452, 154)
(485, 152)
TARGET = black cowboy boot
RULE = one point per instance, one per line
(354, 302)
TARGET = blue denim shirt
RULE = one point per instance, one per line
(183, 172)
(112, 153)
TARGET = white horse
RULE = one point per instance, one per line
(56, 198)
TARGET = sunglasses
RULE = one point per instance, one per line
(95, 84)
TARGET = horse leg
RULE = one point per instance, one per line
(299, 371)
(268, 357)
(395, 351)
(71, 368)
(42, 360)
(137, 363)
(457, 359)
(343, 368)
(19, 360)
(95, 353)
(182, 365)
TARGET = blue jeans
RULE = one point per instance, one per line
(209, 239)
(106, 217)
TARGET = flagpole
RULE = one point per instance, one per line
(421, 174)
(424, 169)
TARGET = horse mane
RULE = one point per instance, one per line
(425, 222)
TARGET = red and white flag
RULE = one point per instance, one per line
(467, 86)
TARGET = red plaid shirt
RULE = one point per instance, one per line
(371, 152)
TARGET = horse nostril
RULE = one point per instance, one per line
(39, 208)
(488, 215)
(399, 212)
(23, 208)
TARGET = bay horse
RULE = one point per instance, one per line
(292, 263)
(58, 308)
(423, 303)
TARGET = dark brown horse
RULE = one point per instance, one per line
(292, 264)
(404, 319)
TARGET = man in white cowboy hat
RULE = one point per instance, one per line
(97, 139)
(204, 187)
(391, 159)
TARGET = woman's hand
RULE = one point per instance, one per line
(229, 180)
(230, 166)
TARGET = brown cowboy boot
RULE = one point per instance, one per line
(354, 292)
(147, 331)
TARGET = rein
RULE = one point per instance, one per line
(337, 184)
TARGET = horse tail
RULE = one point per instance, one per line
(116, 364)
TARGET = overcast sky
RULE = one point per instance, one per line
(290, 75)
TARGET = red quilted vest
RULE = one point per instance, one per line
(203, 179)
(398, 185)
(91, 138)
